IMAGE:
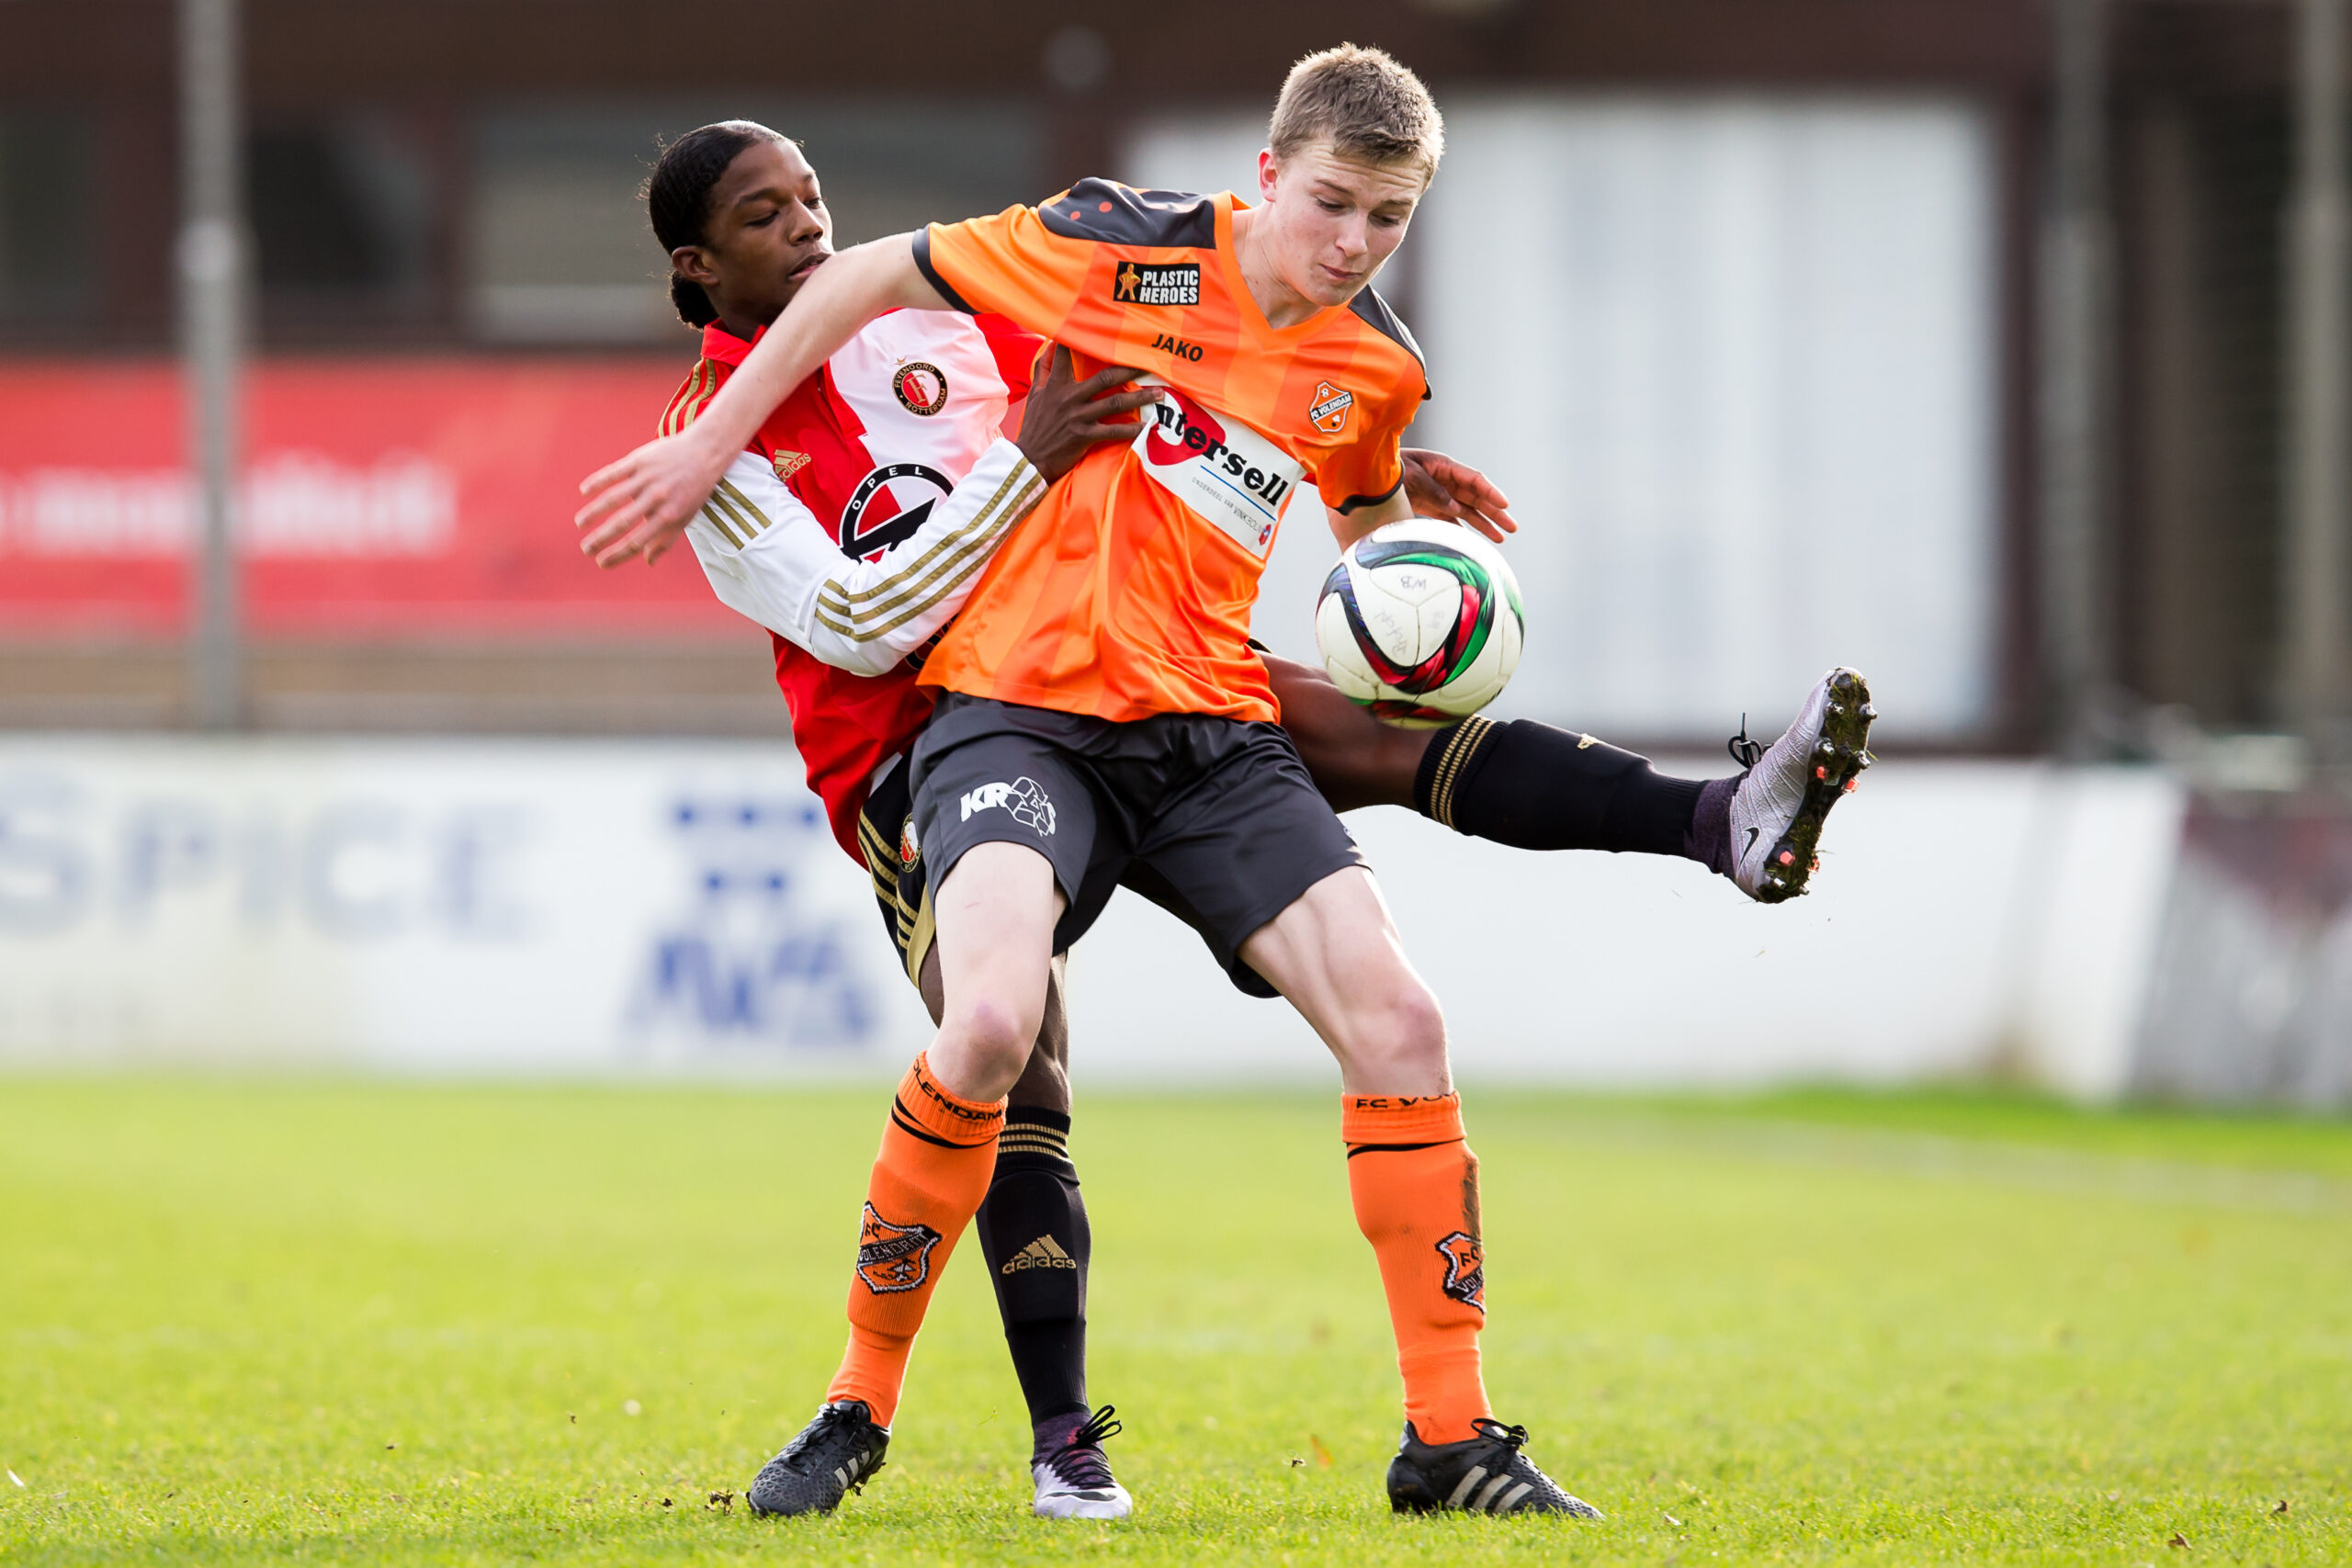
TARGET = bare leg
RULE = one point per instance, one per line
(996, 911)
(1336, 954)
(1044, 1084)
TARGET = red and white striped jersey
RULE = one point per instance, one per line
(855, 524)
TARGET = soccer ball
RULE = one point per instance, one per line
(1421, 622)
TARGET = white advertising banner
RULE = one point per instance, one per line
(469, 907)
(581, 909)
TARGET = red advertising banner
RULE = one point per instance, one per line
(381, 498)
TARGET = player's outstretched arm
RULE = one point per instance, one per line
(640, 504)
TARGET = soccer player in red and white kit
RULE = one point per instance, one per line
(849, 527)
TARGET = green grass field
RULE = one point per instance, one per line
(368, 1323)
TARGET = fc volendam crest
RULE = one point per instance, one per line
(1465, 1269)
(1327, 410)
(893, 1257)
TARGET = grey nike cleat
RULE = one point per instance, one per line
(835, 1454)
(1785, 796)
(1074, 1481)
(1485, 1474)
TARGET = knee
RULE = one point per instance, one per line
(994, 1036)
(1402, 1038)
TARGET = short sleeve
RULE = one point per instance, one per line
(1368, 469)
(1010, 265)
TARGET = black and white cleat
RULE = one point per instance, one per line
(835, 1454)
(1482, 1475)
(1074, 1480)
(1784, 797)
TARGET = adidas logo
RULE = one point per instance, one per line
(1042, 1253)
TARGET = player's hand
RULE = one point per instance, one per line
(1066, 418)
(640, 505)
(1439, 486)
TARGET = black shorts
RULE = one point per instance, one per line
(1214, 820)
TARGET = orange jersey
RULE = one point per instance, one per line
(1127, 592)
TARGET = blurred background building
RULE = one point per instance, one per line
(1955, 339)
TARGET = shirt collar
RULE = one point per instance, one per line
(719, 343)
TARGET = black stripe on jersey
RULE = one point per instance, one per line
(931, 274)
(1374, 313)
(1165, 218)
(1355, 1149)
(1355, 501)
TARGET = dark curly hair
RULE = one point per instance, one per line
(677, 198)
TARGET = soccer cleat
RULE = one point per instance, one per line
(1785, 796)
(1485, 1474)
(1074, 1481)
(835, 1454)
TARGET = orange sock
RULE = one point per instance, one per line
(938, 1152)
(1414, 1183)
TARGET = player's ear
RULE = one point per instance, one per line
(1267, 170)
(693, 263)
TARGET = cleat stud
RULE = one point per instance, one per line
(1788, 857)
(1821, 773)
(1815, 865)
(1848, 785)
(1870, 711)
(1828, 748)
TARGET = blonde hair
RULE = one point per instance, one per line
(1367, 104)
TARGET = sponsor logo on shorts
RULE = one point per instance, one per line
(1042, 1253)
(1022, 797)
(910, 850)
(1327, 411)
(921, 388)
(1172, 283)
(893, 1257)
(1465, 1269)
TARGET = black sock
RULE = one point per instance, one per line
(1710, 839)
(1534, 787)
(1034, 1234)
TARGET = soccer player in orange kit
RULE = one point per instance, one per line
(1102, 711)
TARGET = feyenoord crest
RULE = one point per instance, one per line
(921, 388)
(1465, 1269)
(1329, 410)
(909, 851)
(790, 462)
(891, 1258)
